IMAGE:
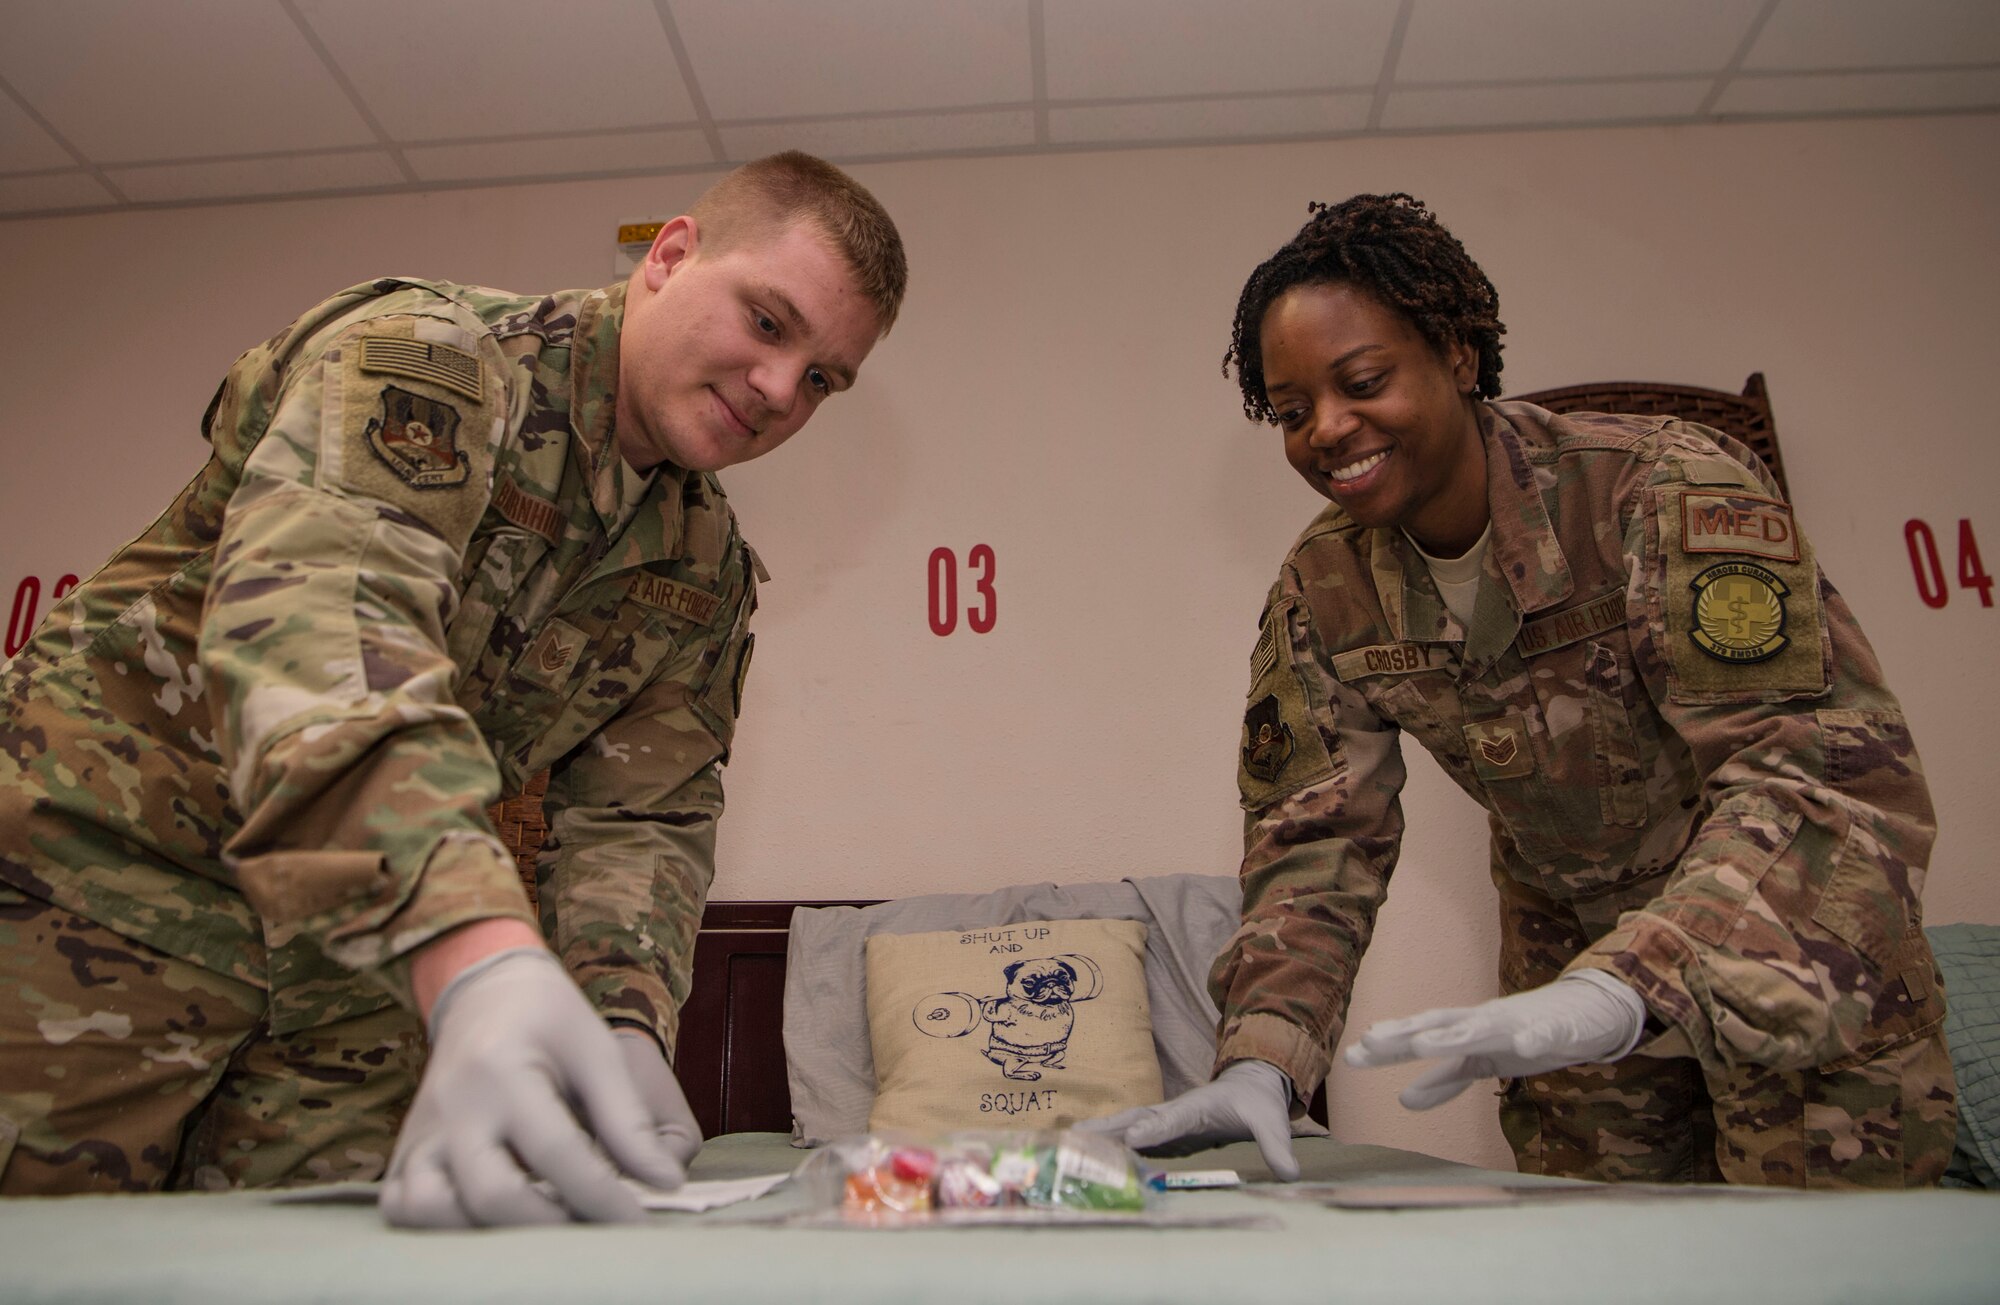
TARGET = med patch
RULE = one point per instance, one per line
(1738, 523)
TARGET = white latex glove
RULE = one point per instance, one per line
(1585, 1017)
(1249, 1099)
(525, 1082)
(661, 1091)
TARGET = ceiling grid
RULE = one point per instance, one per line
(116, 104)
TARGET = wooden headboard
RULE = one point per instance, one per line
(730, 1059)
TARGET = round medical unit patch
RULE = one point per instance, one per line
(1739, 612)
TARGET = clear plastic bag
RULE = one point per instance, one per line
(1035, 1177)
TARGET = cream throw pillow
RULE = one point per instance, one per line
(1033, 1025)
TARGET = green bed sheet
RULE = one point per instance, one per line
(258, 1248)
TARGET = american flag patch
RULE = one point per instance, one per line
(420, 360)
(1265, 655)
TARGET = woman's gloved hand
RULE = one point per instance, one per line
(525, 1083)
(1249, 1099)
(1585, 1017)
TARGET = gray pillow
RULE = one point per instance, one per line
(827, 1058)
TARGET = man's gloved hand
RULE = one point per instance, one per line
(661, 1091)
(525, 1082)
(1584, 1017)
(1251, 1098)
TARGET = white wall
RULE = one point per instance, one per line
(1052, 391)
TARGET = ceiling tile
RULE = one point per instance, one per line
(849, 138)
(446, 68)
(52, 190)
(801, 58)
(1548, 104)
(1871, 33)
(626, 151)
(129, 80)
(1527, 40)
(1257, 119)
(1861, 92)
(24, 146)
(239, 178)
(1122, 48)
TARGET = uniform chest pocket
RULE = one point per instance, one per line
(1427, 709)
(1534, 753)
(1611, 689)
(573, 677)
(496, 574)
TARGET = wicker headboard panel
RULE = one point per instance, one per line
(1747, 416)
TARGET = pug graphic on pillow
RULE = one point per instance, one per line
(1029, 1025)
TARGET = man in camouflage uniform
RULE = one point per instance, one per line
(1709, 822)
(447, 538)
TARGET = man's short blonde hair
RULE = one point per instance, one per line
(773, 192)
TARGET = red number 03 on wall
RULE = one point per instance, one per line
(27, 607)
(982, 605)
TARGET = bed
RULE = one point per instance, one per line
(256, 1248)
(330, 1245)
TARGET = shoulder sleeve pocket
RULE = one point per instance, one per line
(416, 420)
(1282, 748)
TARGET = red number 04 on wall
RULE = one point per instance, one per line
(984, 604)
(1924, 560)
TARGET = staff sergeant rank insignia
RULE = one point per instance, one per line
(1739, 612)
(416, 437)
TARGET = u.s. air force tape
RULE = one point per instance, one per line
(676, 598)
(1572, 624)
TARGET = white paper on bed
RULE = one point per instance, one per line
(696, 1194)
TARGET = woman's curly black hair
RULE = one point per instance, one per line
(1395, 249)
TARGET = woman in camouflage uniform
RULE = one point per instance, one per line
(1709, 823)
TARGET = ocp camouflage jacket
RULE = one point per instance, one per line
(413, 573)
(1672, 719)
